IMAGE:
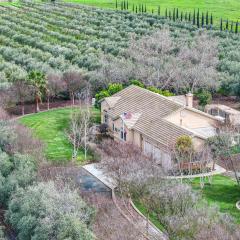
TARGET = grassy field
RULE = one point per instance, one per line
(51, 127)
(224, 192)
(219, 8)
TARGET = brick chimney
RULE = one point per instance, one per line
(189, 100)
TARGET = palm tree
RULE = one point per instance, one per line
(39, 83)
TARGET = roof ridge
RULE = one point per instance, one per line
(150, 92)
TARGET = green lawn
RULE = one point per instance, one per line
(224, 192)
(51, 127)
(219, 8)
(152, 216)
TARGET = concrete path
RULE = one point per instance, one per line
(128, 211)
(95, 170)
(218, 170)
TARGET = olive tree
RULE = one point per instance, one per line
(43, 211)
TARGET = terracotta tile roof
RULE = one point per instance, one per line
(152, 108)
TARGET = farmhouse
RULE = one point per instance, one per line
(154, 122)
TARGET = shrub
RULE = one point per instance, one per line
(43, 212)
(114, 88)
(137, 83)
(159, 91)
(184, 144)
(204, 98)
(102, 94)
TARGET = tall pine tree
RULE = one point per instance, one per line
(227, 24)
(189, 17)
(202, 20)
(174, 15)
(177, 14)
(211, 19)
(159, 10)
(236, 27)
(116, 4)
(207, 22)
(221, 25)
(232, 26)
(170, 15)
(198, 19)
(194, 17)
(166, 13)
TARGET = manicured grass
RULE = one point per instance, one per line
(152, 216)
(219, 8)
(51, 127)
(224, 192)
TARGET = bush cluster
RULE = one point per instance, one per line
(36, 210)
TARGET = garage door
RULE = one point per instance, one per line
(162, 158)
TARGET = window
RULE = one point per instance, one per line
(123, 135)
(106, 118)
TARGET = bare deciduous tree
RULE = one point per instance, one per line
(54, 86)
(163, 61)
(79, 132)
(75, 81)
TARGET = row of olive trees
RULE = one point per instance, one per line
(175, 204)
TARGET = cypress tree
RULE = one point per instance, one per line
(177, 14)
(194, 17)
(124, 5)
(236, 27)
(198, 20)
(202, 20)
(166, 15)
(133, 8)
(116, 4)
(186, 16)
(136, 9)
(207, 18)
(227, 25)
(170, 15)
(121, 5)
(221, 25)
(189, 17)
(174, 16)
(159, 10)
(152, 10)
(211, 19)
(145, 10)
(127, 5)
(142, 8)
(181, 16)
(232, 26)
(139, 8)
